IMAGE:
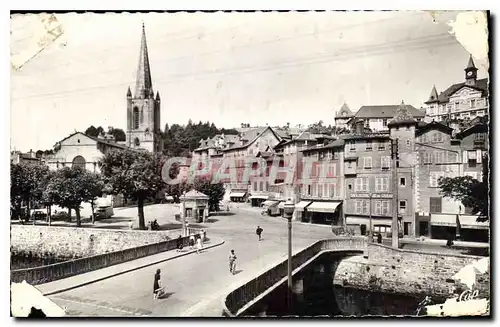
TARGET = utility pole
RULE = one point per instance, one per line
(395, 225)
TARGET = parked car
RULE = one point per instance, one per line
(39, 214)
(103, 212)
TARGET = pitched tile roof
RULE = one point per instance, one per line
(481, 85)
(433, 97)
(385, 111)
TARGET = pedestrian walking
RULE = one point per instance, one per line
(259, 232)
(158, 289)
(232, 262)
(203, 235)
(191, 241)
(179, 243)
(199, 245)
(379, 238)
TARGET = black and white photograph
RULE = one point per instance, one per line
(250, 164)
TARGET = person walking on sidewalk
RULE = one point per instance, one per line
(259, 232)
(232, 262)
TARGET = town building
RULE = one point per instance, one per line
(464, 101)
(322, 184)
(238, 157)
(443, 154)
(17, 157)
(79, 149)
(143, 108)
(376, 117)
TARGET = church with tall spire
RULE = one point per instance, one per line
(143, 107)
(462, 101)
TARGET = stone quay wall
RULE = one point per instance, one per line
(249, 292)
(113, 254)
(77, 242)
(386, 270)
(415, 273)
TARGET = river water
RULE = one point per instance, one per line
(316, 295)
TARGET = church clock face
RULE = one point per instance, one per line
(469, 74)
(344, 114)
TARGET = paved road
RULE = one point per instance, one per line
(195, 283)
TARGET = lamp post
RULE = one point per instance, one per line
(288, 209)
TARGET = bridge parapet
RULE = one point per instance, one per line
(251, 289)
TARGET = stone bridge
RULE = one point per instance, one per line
(244, 297)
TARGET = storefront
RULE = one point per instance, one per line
(361, 225)
(257, 200)
(325, 213)
(461, 227)
(237, 196)
(301, 211)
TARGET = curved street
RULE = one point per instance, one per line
(195, 283)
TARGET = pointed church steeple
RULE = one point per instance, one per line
(433, 97)
(129, 93)
(157, 95)
(143, 84)
(470, 64)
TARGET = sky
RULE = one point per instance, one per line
(226, 68)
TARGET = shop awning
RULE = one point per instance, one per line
(261, 197)
(443, 220)
(301, 205)
(269, 203)
(323, 206)
(366, 221)
(470, 222)
(237, 194)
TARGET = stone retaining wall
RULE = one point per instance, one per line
(78, 242)
(385, 270)
(45, 274)
(409, 272)
(249, 291)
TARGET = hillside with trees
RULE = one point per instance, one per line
(181, 140)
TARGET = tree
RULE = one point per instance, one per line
(134, 174)
(92, 131)
(26, 184)
(470, 192)
(215, 192)
(119, 135)
(69, 187)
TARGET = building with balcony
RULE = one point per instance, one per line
(322, 184)
(440, 154)
(462, 101)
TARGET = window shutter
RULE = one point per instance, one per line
(479, 156)
(465, 157)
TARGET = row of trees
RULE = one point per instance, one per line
(134, 174)
(118, 133)
(66, 187)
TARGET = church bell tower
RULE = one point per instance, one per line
(143, 108)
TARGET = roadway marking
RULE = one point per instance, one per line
(90, 303)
